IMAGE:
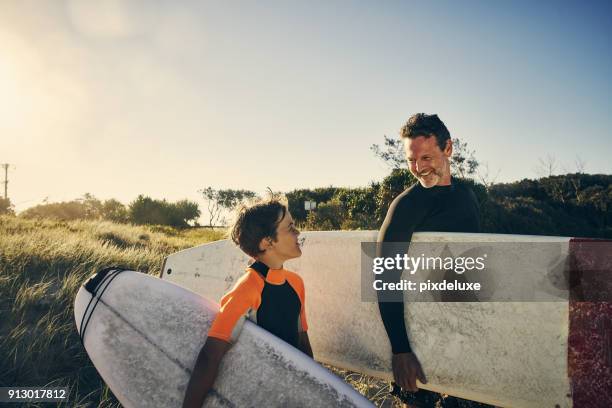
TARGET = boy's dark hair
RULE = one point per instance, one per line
(426, 125)
(256, 222)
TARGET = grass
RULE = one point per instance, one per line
(42, 265)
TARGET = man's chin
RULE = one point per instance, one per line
(429, 183)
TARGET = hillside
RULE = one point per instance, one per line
(42, 264)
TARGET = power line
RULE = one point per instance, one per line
(6, 166)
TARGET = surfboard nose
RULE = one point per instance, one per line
(92, 284)
(85, 301)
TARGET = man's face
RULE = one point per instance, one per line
(286, 245)
(429, 164)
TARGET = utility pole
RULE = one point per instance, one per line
(6, 166)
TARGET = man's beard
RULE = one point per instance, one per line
(432, 179)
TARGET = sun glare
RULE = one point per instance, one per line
(12, 99)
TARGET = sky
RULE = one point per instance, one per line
(163, 98)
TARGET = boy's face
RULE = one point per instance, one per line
(286, 245)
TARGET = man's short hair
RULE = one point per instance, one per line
(256, 222)
(421, 124)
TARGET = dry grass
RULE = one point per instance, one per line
(42, 265)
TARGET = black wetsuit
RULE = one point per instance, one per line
(452, 208)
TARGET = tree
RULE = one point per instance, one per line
(296, 199)
(485, 177)
(115, 211)
(546, 166)
(64, 211)
(186, 211)
(6, 207)
(223, 200)
(145, 210)
(92, 207)
(463, 164)
(392, 154)
(600, 198)
(360, 205)
(389, 188)
(327, 217)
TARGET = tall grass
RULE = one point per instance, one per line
(42, 265)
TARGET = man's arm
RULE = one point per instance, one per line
(403, 216)
(205, 372)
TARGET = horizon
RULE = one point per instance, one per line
(261, 194)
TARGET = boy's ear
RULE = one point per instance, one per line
(265, 244)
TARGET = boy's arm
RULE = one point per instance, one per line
(205, 372)
(305, 344)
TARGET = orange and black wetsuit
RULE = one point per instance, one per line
(272, 298)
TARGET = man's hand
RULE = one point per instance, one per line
(406, 370)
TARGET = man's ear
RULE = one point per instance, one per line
(265, 244)
(448, 150)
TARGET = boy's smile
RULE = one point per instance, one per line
(286, 245)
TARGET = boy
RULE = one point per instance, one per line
(268, 294)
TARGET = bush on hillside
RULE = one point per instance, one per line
(86, 208)
(6, 207)
(145, 210)
(569, 205)
(296, 199)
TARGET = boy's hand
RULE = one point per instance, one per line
(305, 344)
(406, 370)
(204, 372)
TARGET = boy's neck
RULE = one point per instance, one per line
(271, 262)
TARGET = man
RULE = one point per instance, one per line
(436, 203)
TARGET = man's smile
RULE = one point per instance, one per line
(427, 173)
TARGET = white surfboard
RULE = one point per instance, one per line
(144, 335)
(501, 353)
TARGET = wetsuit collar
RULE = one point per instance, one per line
(260, 267)
(274, 276)
(435, 189)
